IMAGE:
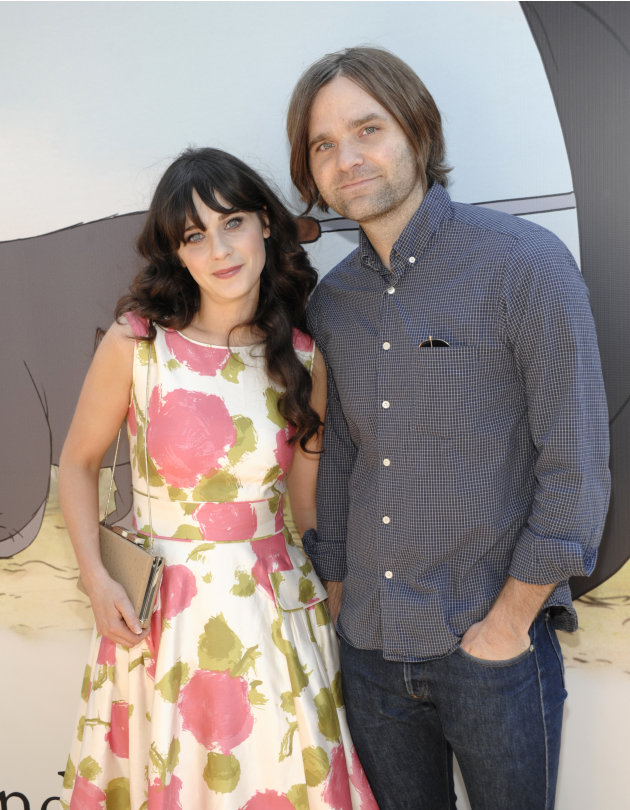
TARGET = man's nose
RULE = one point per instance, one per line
(349, 155)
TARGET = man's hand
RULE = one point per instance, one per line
(334, 591)
(504, 633)
(491, 643)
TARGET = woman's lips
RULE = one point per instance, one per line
(228, 272)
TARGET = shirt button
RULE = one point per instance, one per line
(412, 260)
(391, 290)
(387, 345)
(385, 404)
(388, 575)
(386, 519)
(386, 462)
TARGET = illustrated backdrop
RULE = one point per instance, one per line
(97, 99)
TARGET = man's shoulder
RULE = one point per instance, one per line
(514, 228)
(522, 242)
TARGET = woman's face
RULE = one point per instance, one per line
(227, 256)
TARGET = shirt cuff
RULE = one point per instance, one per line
(544, 561)
(329, 560)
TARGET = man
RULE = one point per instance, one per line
(464, 473)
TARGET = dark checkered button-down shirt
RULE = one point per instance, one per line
(447, 468)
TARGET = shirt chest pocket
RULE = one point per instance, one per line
(460, 390)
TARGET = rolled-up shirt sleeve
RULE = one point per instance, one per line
(327, 547)
(550, 327)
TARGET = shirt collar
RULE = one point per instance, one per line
(433, 211)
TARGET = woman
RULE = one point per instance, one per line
(231, 698)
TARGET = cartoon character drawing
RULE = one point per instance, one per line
(87, 267)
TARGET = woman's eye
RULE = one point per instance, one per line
(192, 238)
(233, 222)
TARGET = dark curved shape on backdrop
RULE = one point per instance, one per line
(585, 48)
(56, 289)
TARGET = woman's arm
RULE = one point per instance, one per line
(100, 411)
(302, 479)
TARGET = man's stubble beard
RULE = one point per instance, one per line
(388, 196)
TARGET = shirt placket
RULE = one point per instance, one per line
(389, 422)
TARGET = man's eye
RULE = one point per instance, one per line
(324, 147)
(369, 130)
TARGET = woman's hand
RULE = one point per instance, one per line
(113, 612)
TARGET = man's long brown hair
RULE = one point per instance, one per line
(396, 88)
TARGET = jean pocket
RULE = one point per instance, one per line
(492, 664)
(553, 638)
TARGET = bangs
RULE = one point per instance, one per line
(179, 209)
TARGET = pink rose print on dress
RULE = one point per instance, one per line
(165, 797)
(206, 360)
(215, 707)
(224, 522)
(177, 590)
(189, 432)
(272, 555)
(283, 452)
(118, 734)
(360, 784)
(269, 800)
(86, 795)
(106, 652)
(337, 788)
(302, 342)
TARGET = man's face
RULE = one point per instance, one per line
(360, 158)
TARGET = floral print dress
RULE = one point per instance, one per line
(234, 700)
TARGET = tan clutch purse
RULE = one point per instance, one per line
(136, 568)
(124, 556)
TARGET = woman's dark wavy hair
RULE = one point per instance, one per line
(165, 293)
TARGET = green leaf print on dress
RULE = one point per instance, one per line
(172, 682)
(297, 672)
(246, 439)
(255, 697)
(165, 763)
(218, 487)
(117, 794)
(138, 455)
(327, 720)
(222, 772)
(286, 747)
(298, 796)
(245, 584)
(271, 400)
(220, 649)
(233, 368)
(316, 765)
(89, 768)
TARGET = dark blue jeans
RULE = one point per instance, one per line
(501, 719)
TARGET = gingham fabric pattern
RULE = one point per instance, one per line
(447, 468)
